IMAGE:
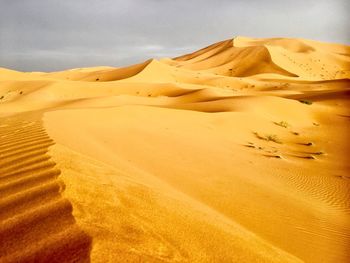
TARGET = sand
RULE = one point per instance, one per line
(235, 153)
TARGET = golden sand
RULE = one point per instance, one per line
(235, 153)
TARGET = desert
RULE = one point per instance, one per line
(237, 152)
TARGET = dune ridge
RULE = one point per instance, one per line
(237, 152)
(36, 222)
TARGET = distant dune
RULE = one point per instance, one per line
(237, 152)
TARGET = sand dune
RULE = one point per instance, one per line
(235, 153)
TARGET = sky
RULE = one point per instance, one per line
(51, 35)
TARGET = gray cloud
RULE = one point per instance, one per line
(58, 34)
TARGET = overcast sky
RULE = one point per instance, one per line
(46, 35)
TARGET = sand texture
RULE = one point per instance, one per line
(237, 152)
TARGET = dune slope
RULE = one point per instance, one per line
(36, 221)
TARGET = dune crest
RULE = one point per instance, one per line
(237, 152)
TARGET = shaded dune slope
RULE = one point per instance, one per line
(305, 58)
(36, 222)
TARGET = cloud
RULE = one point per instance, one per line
(55, 34)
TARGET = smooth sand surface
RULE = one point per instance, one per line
(235, 153)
